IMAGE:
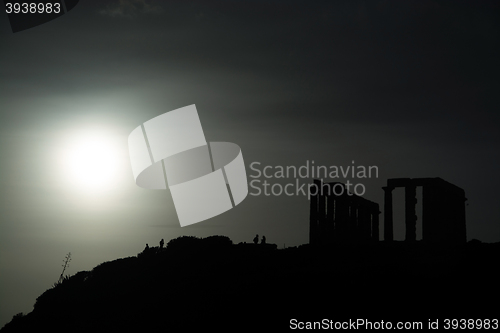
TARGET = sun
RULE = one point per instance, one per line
(91, 163)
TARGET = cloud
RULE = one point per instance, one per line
(130, 8)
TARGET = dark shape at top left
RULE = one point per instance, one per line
(28, 14)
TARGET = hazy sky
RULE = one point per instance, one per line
(408, 86)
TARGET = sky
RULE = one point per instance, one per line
(410, 87)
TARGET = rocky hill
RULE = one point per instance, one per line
(213, 283)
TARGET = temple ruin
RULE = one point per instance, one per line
(338, 216)
(443, 210)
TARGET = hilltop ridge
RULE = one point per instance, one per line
(211, 282)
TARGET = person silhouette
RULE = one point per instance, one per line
(146, 248)
(263, 241)
(256, 239)
(161, 243)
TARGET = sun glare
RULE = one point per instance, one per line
(91, 163)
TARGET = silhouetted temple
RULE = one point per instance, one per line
(339, 216)
(443, 210)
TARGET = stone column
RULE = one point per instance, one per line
(322, 237)
(313, 215)
(361, 232)
(375, 231)
(353, 220)
(342, 218)
(388, 231)
(410, 214)
(330, 216)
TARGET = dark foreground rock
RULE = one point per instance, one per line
(215, 284)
